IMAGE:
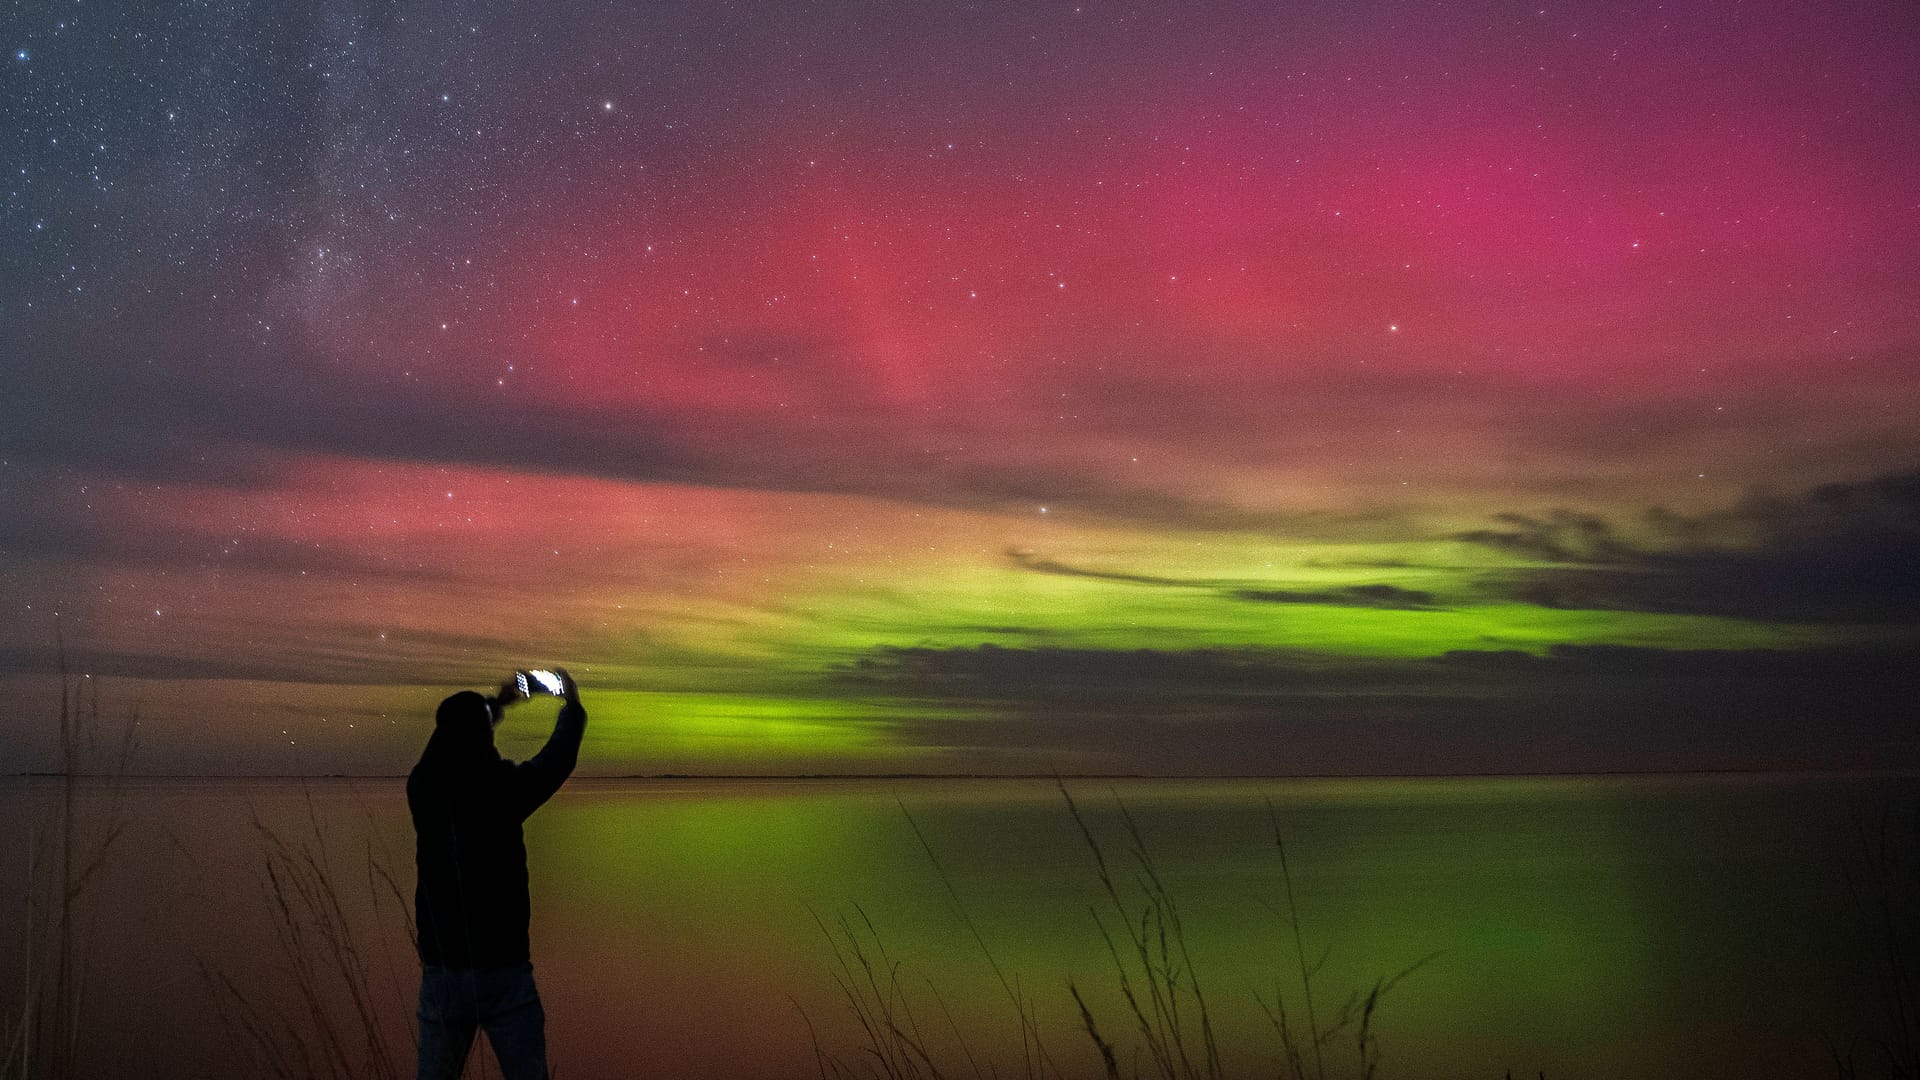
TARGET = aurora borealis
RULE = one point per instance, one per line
(848, 387)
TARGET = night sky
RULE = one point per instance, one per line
(1188, 388)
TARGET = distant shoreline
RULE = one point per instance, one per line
(832, 777)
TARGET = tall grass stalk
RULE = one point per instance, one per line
(335, 1025)
(1036, 1060)
(1154, 966)
(1355, 1017)
(64, 864)
(869, 984)
(1883, 881)
(1169, 1013)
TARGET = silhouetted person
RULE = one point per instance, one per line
(471, 903)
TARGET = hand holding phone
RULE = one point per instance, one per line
(541, 681)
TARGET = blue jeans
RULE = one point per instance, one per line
(455, 1002)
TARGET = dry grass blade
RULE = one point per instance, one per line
(1883, 882)
(1107, 1061)
(338, 1024)
(869, 985)
(66, 859)
(1299, 948)
(1033, 1050)
(1155, 972)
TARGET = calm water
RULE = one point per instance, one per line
(1586, 927)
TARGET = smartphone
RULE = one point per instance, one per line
(539, 681)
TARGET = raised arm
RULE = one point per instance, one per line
(536, 779)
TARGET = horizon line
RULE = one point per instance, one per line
(55, 774)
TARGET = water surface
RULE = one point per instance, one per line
(1605, 927)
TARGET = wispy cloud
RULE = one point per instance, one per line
(1837, 553)
(1027, 560)
(1390, 597)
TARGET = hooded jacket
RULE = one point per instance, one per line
(467, 802)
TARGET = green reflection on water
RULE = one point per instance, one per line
(1552, 901)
